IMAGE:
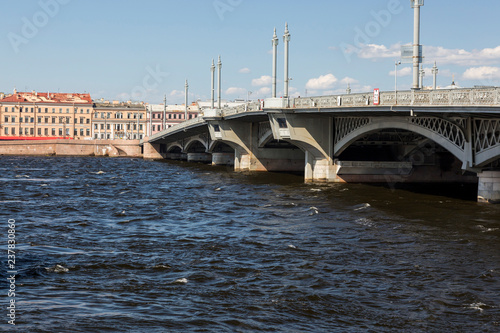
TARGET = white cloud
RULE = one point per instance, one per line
(348, 80)
(374, 51)
(264, 91)
(177, 93)
(264, 80)
(321, 83)
(405, 71)
(482, 73)
(245, 71)
(462, 57)
(236, 91)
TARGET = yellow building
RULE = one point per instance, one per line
(119, 120)
(32, 116)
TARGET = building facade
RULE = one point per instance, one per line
(173, 115)
(119, 120)
(32, 115)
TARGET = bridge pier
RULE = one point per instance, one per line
(251, 154)
(152, 151)
(222, 158)
(489, 187)
(199, 157)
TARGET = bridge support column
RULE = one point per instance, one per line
(199, 157)
(152, 151)
(222, 158)
(243, 137)
(489, 187)
(320, 169)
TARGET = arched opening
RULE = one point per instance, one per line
(196, 147)
(397, 156)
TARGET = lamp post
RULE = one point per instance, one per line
(396, 80)
(275, 42)
(286, 39)
(416, 4)
(422, 74)
(434, 73)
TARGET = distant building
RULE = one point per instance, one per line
(174, 114)
(33, 115)
(119, 120)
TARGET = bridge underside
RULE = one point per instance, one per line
(328, 147)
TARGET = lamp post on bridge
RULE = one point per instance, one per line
(422, 75)
(396, 80)
(434, 74)
(416, 4)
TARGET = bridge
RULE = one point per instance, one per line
(426, 136)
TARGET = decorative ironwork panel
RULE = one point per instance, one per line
(486, 134)
(447, 129)
(346, 125)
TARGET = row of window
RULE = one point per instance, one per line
(118, 115)
(108, 136)
(118, 127)
(172, 116)
(45, 131)
(39, 110)
(159, 127)
(62, 120)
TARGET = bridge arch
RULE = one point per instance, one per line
(448, 134)
(196, 144)
(174, 147)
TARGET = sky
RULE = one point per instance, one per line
(142, 50)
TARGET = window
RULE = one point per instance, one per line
(39, 119)
(102, 126)
(82, 120)
(53, 110)
(108, 127)
(6, 119)
(13, 131)
(140, 127)
(39, 110)
(81, 132)
(96, 136)
(20, 119)
(13, 119)
(96, 126)
(53, 131)
(21, 109)
(60, 110)
(6, 131)
(31, 110)
(46, 120)
(88, 120)
(81, 111)
(46, 110)
(60, 132)
(75, 133)
(67, 110)
(46, 132)
(26, 119)
(53, 120)
(32, 119)
(87, 132)
(28, 130)
(39, 131)
(88, 111)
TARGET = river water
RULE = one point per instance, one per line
(127, 245)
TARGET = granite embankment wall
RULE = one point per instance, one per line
(112, 148)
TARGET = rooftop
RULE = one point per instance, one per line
(53, 98)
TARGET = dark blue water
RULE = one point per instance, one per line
(121, 245)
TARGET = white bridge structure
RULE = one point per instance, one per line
(426, 136)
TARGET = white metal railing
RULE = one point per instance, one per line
(449, 97)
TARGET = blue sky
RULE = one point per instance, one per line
(142, 50)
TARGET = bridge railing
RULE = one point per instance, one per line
(177, 127)
(248, 107)
(441, 97)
